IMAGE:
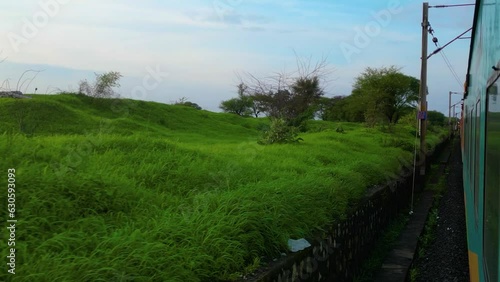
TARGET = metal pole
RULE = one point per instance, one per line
(449, 112)
(423, 88)
(454, 116)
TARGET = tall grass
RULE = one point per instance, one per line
(169, 193)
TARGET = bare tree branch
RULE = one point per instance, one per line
(21, 77)
(291, 95)
(6, 83)
(31, 80)
(47, 90)
(283, 80)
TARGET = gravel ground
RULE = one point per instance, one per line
(446, 259)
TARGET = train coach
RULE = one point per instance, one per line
(481, 143)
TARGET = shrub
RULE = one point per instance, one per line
(409, 119)
(102, 87)
(279, 132)
(184, 102)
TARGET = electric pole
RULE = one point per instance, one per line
(423, 89)
(449, 110)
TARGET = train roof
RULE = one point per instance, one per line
(473, 37)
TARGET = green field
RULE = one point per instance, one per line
(122, 190)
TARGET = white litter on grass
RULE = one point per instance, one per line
(298, 245)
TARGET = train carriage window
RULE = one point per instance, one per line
(492, 183)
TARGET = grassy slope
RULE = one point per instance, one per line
(113, 190)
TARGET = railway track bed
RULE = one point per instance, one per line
(444, 256)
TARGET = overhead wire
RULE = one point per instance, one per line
(439, 49)
(450, 67)
(443, 55)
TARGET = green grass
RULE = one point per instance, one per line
(117, 190)
(429, 232)
(413, 274)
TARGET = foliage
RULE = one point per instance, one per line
(380, 95)
(429, 234)
(344, 108)
(294, 96)
(409, 119)
(243, 105)
(294, 104)
(279, 133)
(235, 106)
(187, 195)
(185, 102)
(413, 274)
(436, 118)
(191, 104)
(103, 85)
(256, 106)
(387, 92)
(332, 109)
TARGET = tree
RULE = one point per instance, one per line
(306, 92)
(292, 97)
(242, 106)
(383, 94)
(235, 106)
(436, 118)
(332, 109)
(256, 108)
(103, 85)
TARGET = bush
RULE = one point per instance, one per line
(279, 132)
(436, 118)
(410, 119)
(102, 87)
(184, 102)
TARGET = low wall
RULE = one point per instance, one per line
(339, 256)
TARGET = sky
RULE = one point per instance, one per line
(197, 49)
